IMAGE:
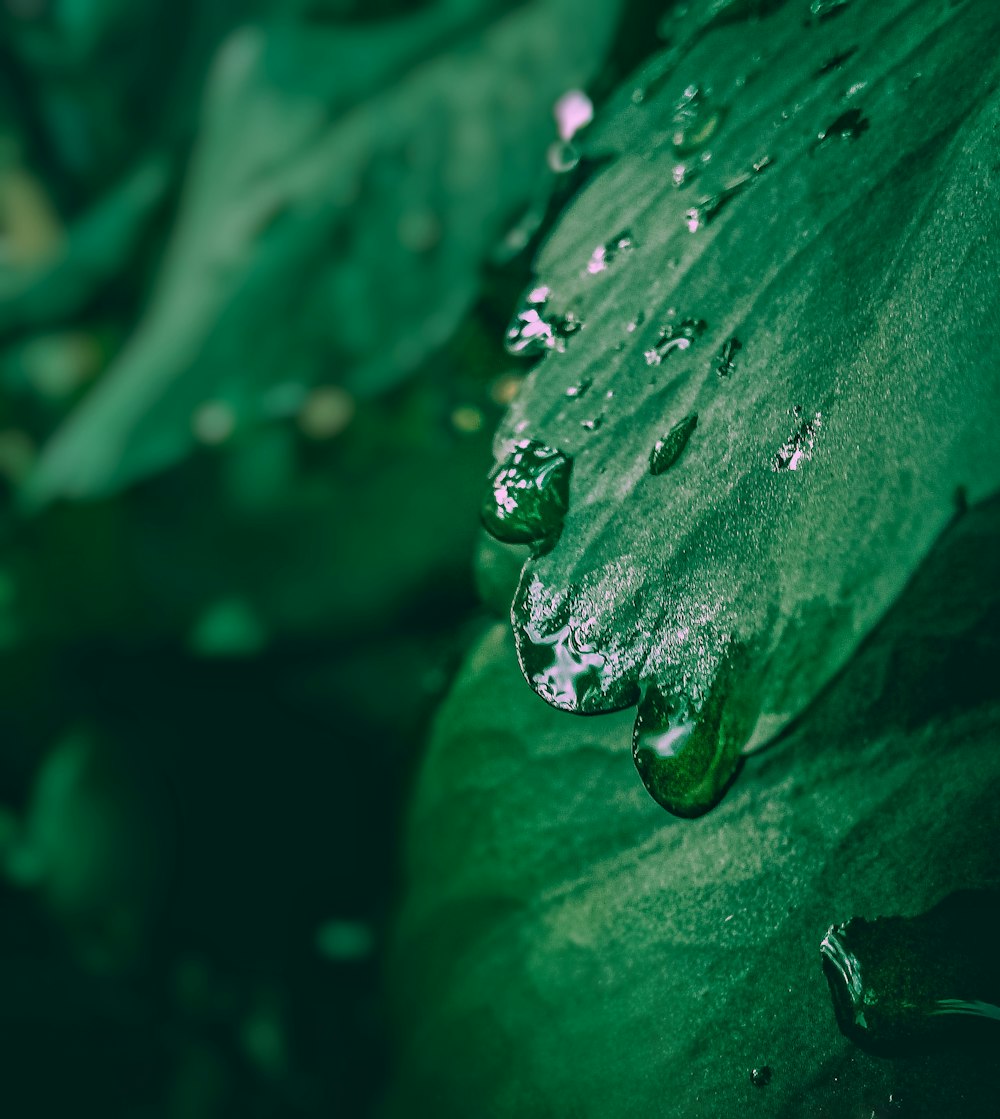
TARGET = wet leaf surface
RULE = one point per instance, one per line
(565, 948)
(856, 265)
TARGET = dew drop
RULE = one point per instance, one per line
(563, 668)
(901, 984)
(674, 338)
(529, 494)
(684, 758)
(562, 157)
(605, 255)
(725, 359)
(533, 330)
(799, 446)
(694, 120)
(820, 10)
(592, 425)
(579, 389)
(573, 111)
(760, 1077)
(667, 450)
(848, 126)
(836, 61)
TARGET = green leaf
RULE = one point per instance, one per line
(844, 231)
(566, 949)
(346, 187)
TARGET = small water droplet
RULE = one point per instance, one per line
(694, 120)
(725, 359)
(580, 388)
(593, 424)
(529, 494)
(667, 450)
(639, 319)
(820, 10)
(562, 157)
(848, 126)
(675, 337)
(684, 759)
(533, 330)
(573, 111)
(836, 61)
(760, 1077)
(606, 254)
(707, 208)
(683, 174)
(799, 446)
(902, 984)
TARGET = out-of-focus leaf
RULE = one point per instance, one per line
(347, 184)
(567, 949)
(857, 270)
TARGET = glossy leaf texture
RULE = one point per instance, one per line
(346, 187)
(814, 246)
(565, 948)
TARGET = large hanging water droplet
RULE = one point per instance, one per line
(798, 447)
(694, 120)
(563, 668)
(686, 759)
(605, 255)
(667, 451)
(529, 494)
(534, 330)
(675, 337)
(906, 983)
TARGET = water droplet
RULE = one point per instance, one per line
(694, 120)
(685, 758)
(580, 388)
(573, 111)
(905, 983)
(821, 10)
(563, 668)
(605, 255)
(562, 157)
(592, 425)
(798, 448)
(761, 1077)
(529, 494)
(707, 208)
(675, 337)
(683, 174)
(533, 330)
(725, 359)
(835, 61)
(848, 126)
(667, 451)
(639, 319)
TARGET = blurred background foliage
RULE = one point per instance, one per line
(256, 262)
